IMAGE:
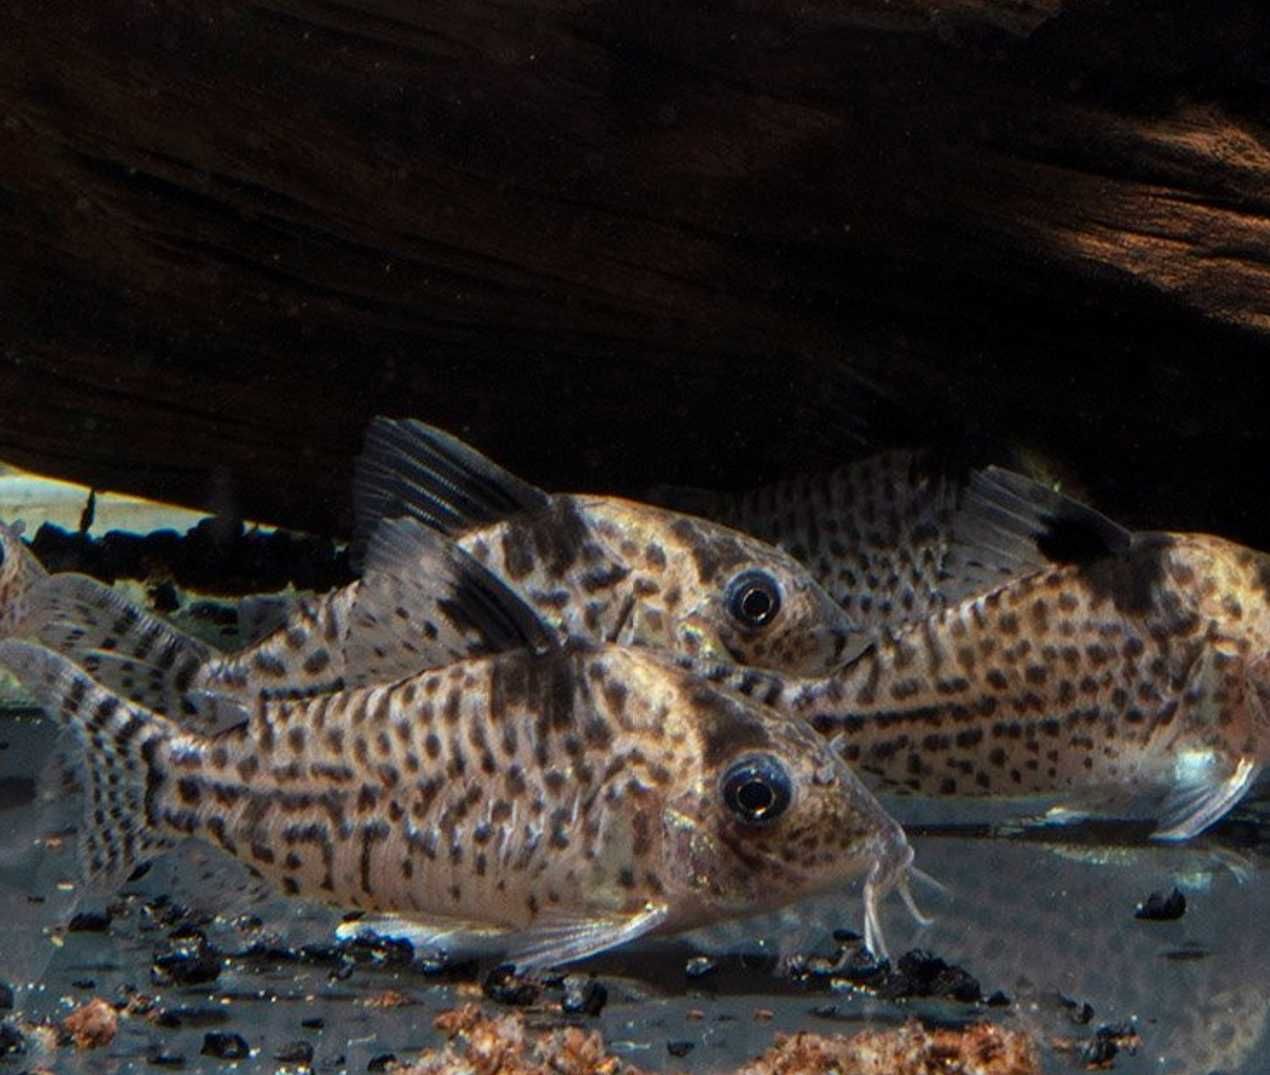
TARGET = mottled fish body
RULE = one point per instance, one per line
(569, 801)
(893, 538)
(876, 533)
(601, 568)
(1137, 677)
(19, 572)
(596, 569)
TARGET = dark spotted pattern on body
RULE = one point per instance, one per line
(1124, 674)
(496, 791)
(874, 533)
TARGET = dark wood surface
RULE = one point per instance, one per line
(631, 241)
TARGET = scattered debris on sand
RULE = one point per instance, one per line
(980, 1049)
(92, 1024)
(503, 1045)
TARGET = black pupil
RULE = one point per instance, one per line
(757, 789)
(756, 604)
(755, 796)
(754, 599)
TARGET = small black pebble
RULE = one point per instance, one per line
(1106, 1043)
(846, 936)
(1079, 1012)
(859, 965)
(679, 1048)
(6, 997)
(998, 1000)
(89, 922)
(316, 1023)
(504, 987)
(381, 1062)
(342, 971)
(583, 996)
(920, 974)
(224, 1045)
(825, 1011)
(165, 1060)
(83, 983)
(699, 966)
(295, 1052)
(1158, 908)
(190, 961)
(11, 1040)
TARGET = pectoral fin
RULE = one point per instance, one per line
(558, 938)
(1195, 803)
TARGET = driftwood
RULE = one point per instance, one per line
(627, 241)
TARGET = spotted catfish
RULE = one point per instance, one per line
(422, 603)
(602, 568)
(556, 803)
(1134, 678)
(19, 572)
(597, 568)
(891, 537)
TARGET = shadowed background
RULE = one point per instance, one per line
(625, 242)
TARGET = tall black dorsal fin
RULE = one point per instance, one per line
(413, 469)
(423, 596)
(1008, 525)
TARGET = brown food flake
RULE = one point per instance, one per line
(92, 1025)
(389, 998)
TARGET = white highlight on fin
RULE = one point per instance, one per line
(564, 938)
(1202, 797)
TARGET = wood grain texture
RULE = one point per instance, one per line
(757, 232)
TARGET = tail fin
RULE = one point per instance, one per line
(124, 648)
(19, 571)
(119, 743)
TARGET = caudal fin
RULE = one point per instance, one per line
(122, 647)
(119, 743)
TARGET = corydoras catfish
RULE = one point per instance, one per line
(599, 569)
(1131, 678)
(562, 802)
(883, 535)
(19, 571)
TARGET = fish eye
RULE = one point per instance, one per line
(754, 598)
(757, 789)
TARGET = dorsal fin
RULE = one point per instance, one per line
(410, 468)
(424, 601)
(1008, 525)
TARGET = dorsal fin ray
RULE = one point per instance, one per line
(424, 601)
(410, 468)
(1008, 525)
